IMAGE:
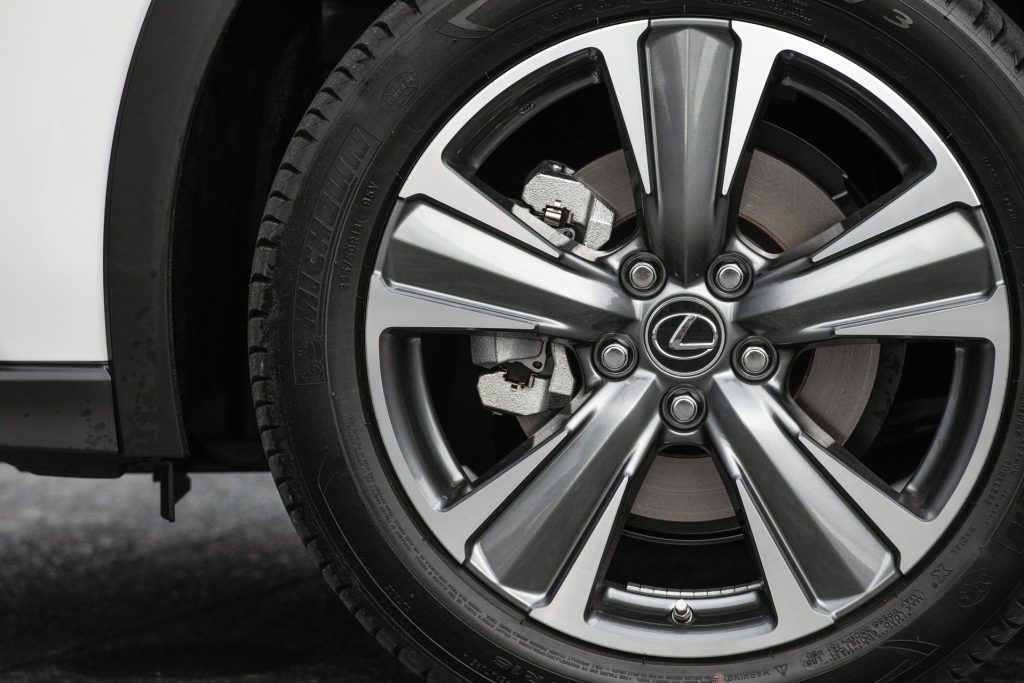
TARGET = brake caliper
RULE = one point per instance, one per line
(530, 375)
(570, 206)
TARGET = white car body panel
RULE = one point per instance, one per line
(66, 62)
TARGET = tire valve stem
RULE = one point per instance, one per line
(682, 614)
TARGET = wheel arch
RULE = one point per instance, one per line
(214, 93)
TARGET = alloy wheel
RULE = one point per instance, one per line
(746, 354)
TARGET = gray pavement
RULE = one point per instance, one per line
(94, 586)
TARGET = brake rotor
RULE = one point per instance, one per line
(787, 208)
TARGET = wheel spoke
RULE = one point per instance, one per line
(943, 186)
(434, 179)
(831, 550)
(538, 531)
(972, 319)
(689, 73)
(456, 525)
(618, 48)
(910, 535)
(568, 607)
(942, 267)
(794, 612)
(442, 272)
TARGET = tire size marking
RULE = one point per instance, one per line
(332, 203)
(791, 9)
(870, 634)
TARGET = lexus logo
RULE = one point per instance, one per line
(685, 336)
(694, 336)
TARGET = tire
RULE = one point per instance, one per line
(958, 62)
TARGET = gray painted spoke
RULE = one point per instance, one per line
(968, 319)
(458, 523)
(433, 177)
(442, 272)
(942, 264)
(568, 607)
(910, 535)
(945, 186)
(442, 184)
(689, 73)
(795, 614)
(535, 537)
(833, 553)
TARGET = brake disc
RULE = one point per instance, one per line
(789, 209)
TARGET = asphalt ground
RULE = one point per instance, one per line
(94, 586)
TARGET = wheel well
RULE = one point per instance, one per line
(266, 69)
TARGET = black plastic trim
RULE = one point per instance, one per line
(174, 50)
(59, 408)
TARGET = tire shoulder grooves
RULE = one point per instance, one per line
(327, 106)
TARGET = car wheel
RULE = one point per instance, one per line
(657, 341)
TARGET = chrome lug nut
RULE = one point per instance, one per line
(730, 276)
(615, 356)
(643, 275)
(684, 408)
(755, 359)
(682, 613)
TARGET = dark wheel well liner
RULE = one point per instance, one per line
(213, 95)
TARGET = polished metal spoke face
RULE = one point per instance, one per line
(693, 349)
(530, 543)
(450, 274)
(833, 552)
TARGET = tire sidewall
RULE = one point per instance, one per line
(330, 248)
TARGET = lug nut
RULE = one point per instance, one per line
(684, 408)
(730, 276)
(615, 356)
(643, 275)
(755, 359)
(682, 613)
